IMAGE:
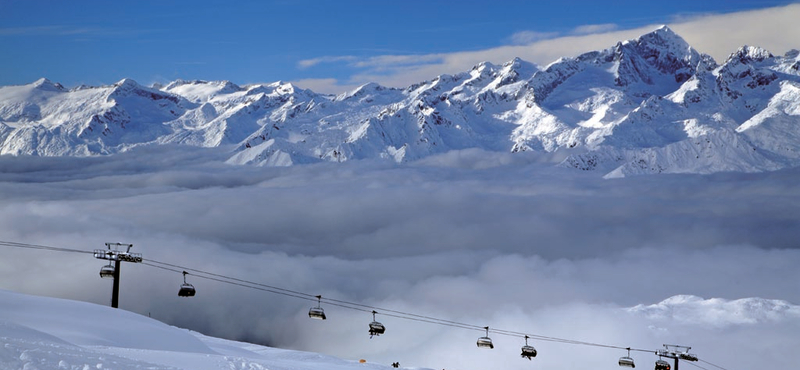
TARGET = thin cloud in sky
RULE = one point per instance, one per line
(528, 37)
(44, 30)
(594, 28)
(715, 34)
(60, 30)
(306, 63)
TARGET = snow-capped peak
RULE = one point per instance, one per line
(523, 68)
(747, 54)
(127, 83)
(367, 88)
(666, 36)
(46, 85)
(662, 49)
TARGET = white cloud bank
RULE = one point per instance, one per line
(718, 35)
(508, 242)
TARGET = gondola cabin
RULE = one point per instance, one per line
(485, 342)
(662, 365)
(626, 362)
(376, 328)
(107, 271)
(187, 290)
(528, 352)
(317, 313)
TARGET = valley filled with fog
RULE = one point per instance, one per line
(506, 240)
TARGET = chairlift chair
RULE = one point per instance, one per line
(528, 351)
(317, 312)
(485, 342)
(687, 356)
(662, 365)
(187, 290)
(627, 361)
(107, 271)
(375, 328)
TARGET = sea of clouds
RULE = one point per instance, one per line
(509, 241)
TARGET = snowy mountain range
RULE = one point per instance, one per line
(648, 105)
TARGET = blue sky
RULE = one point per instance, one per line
(324, 45)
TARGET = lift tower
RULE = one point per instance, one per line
(117, 256)
(676, 352)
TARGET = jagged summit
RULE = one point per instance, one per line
(746, 54)
(665, 36)
(662, 50)
(652, 104)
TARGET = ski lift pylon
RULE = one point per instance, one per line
(186, 290)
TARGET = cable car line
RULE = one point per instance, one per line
(184, 268)
(244, 283)
(695, 365)
(385, 311)
(42, 247)
(376, 328)
(708, 363)
(562, 340)
(330, 301)
(346, 304)
(333, 302)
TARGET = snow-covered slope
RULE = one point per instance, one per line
(648, 105)
(49, 333)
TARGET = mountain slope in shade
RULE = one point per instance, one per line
(642, 106)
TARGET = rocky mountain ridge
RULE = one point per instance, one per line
(648, 105)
